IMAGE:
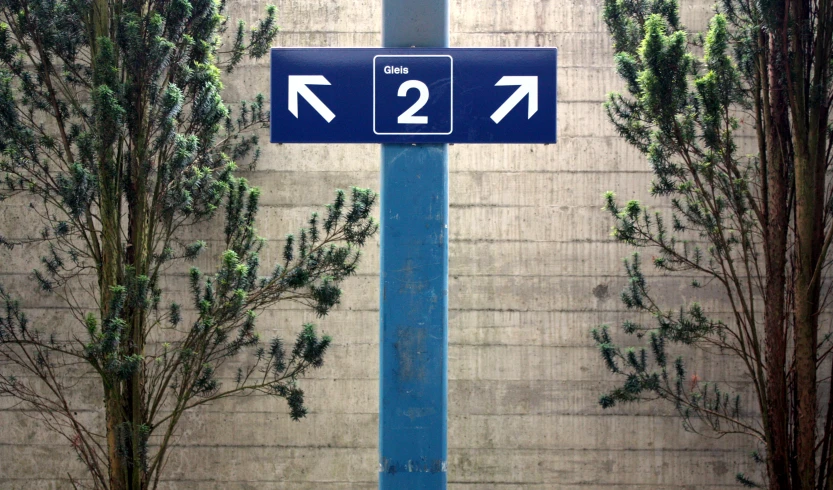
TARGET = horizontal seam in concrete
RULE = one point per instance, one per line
(452, 33)
(450, 447)
(459, 275)
(657, 416)
(481, 310)
(373, 482)
(462, 172)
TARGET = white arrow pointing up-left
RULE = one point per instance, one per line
(526, 85)
(298, 86)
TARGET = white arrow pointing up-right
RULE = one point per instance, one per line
(526, 85)
(298, 86)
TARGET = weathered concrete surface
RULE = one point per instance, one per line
(532, 269)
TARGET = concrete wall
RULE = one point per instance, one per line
(532, 270)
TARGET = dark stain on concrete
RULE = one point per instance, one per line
(720, 468)
(601, 292)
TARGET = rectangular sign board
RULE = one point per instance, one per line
(416, 95)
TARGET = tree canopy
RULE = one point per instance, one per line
(735, 124)
(115, 137)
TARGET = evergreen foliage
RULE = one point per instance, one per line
(751, 223)
(113, 129)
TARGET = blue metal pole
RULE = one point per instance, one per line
(413, 416)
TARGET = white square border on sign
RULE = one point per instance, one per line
(451, 106)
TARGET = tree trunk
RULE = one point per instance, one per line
(110, 260)
(809, 238)
(773, 134)
(808, 228)
(114, 420)
(810, 122)
(776, 184)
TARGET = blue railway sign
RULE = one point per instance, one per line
(416, 95)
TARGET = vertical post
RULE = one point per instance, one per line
(414, 283)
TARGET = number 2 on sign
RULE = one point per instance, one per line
(408, 116)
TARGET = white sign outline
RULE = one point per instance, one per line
(451, 88)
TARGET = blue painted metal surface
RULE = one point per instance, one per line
(413, 316)
(467, 95)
